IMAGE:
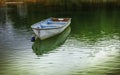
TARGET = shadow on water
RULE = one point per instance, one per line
(41, 47)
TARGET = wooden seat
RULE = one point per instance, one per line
(60, 19)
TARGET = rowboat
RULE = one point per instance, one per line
(50, 27)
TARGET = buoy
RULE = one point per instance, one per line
(33, 39)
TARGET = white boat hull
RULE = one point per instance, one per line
(47, 33)
(50, 27)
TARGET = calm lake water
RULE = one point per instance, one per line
(90, 46)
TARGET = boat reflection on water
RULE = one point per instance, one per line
(44, 46)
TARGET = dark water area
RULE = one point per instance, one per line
(90, 46)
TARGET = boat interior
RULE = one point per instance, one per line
(60, 19)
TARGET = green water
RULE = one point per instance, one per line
(90, 46)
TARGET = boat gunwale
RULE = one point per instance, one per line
(50, 28)
(47, 28)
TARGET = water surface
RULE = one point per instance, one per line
(90, 46)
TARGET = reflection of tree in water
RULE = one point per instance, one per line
(92, 25)
(2, 15)
(22, 10)
(85, 22)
